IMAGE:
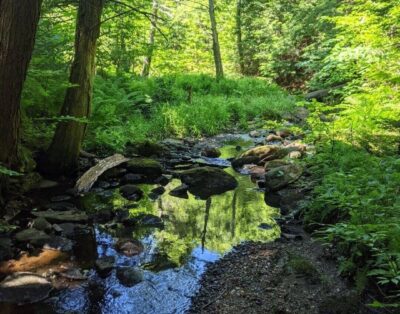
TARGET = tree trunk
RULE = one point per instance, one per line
(64, 150)
(239, 35)
(219, 72)
(18, 23)
(153, 28)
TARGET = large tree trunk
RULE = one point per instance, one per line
(18, 23)
(153, 28)
(64, 150)
(219, 72)
(239, 35)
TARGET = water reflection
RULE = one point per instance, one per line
(195, 233)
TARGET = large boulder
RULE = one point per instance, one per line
(279, 177)
(149, 167)
(207, 181)
(23, 288)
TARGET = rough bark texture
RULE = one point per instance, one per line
(18, 23)
(153, 28)
(89, 178)
(219, 72)
(239, 42)
(64, 150)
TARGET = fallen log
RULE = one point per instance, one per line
(87, 180)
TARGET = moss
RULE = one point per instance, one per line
(146, 149)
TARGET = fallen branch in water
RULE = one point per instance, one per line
(87, 180)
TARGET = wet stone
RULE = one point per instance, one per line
(131, 192)
(129, 276)
(158, 190)
(42, 224)
(32, 236)
(180, 191)
(162, 180)
(207, 181)
(211, 152)
(104, 265)
(24, 288)
(149, 220)
(129, 247)
(279, 177)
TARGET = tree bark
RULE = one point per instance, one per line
(64, 150)
(18, 24)
(153, 27)
(219, 72)
(239, 36)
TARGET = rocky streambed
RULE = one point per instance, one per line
(140, 240)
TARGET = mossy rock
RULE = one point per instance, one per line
(279, 177)
(207, 181)
(146, 149)
(146, 166)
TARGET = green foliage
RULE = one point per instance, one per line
(7, 172)
(131, 109)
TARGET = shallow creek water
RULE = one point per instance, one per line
(195, 233)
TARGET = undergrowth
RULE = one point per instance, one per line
(131, 109)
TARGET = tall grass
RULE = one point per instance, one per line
(130, 109)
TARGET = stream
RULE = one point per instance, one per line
(172, 256)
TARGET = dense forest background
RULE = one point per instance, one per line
(168, 68)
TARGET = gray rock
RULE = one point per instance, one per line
(129, 276)
(255, 134)
(62, 216)
(207, 181)
(32, 236)
(279, 177)
(23, 288)
(42, 224)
